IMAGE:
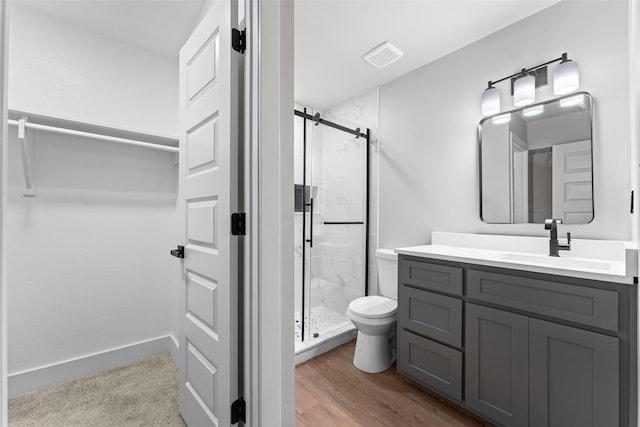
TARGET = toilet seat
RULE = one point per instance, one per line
(373, 307)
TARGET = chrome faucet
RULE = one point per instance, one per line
(554, 247)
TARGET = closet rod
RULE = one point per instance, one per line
(97, 136)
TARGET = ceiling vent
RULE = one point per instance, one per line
(383, 55)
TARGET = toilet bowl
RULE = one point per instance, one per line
(375, 318)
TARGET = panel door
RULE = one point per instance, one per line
(574, 377)
(496, 364)
(572, 193)
(208, 363)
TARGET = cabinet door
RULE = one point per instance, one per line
(574, 377)
(496, 364)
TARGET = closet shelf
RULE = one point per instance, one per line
(93, 131)
(26, 121)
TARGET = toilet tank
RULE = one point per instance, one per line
(388, 272)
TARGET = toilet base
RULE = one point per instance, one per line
(373, 353)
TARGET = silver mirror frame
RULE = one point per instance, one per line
(517, 110)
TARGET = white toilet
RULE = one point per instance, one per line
(375, 318)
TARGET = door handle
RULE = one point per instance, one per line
(178, 253)
(310, 240)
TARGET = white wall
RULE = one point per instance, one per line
(57, 68)
(89, 268)
(428, 124)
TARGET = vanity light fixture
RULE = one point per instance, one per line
(566, 79)
(524, 89)
(490, 100)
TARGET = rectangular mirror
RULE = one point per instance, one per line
(536, 163)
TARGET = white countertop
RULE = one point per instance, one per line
(610, 261)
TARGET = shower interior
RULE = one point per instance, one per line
(331, 226)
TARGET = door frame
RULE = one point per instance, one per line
(4, 109)
(269, 339)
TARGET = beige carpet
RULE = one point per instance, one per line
(143, 393)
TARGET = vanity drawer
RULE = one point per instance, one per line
(435, 365)
(441, 278)
(433, 315)
(588, 306)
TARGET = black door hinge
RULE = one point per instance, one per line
(238, 411)
(238, 227)
(239, 40)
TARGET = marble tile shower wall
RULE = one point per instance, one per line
(363, 111)
(343, 194)
(335, 265)
(338, 256)
(297, 264)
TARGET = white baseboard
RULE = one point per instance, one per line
(33, 379)
(174, 348)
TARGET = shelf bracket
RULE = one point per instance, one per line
(30, 188)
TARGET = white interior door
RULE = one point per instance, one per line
(572, 198)
(208, 361)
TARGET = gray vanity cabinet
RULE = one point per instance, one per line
(430, 326)
(519, 348)
(574, 376)
(497, 364)
(520, 368)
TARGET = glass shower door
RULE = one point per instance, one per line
(303, 204)
(330, 226)
(337, 254)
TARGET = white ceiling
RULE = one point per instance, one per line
(161, 26)
(332, 35)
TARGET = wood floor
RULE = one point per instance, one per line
(330, 391)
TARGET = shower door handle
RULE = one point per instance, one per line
(310, 240)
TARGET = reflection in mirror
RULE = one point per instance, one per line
(536, 163)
